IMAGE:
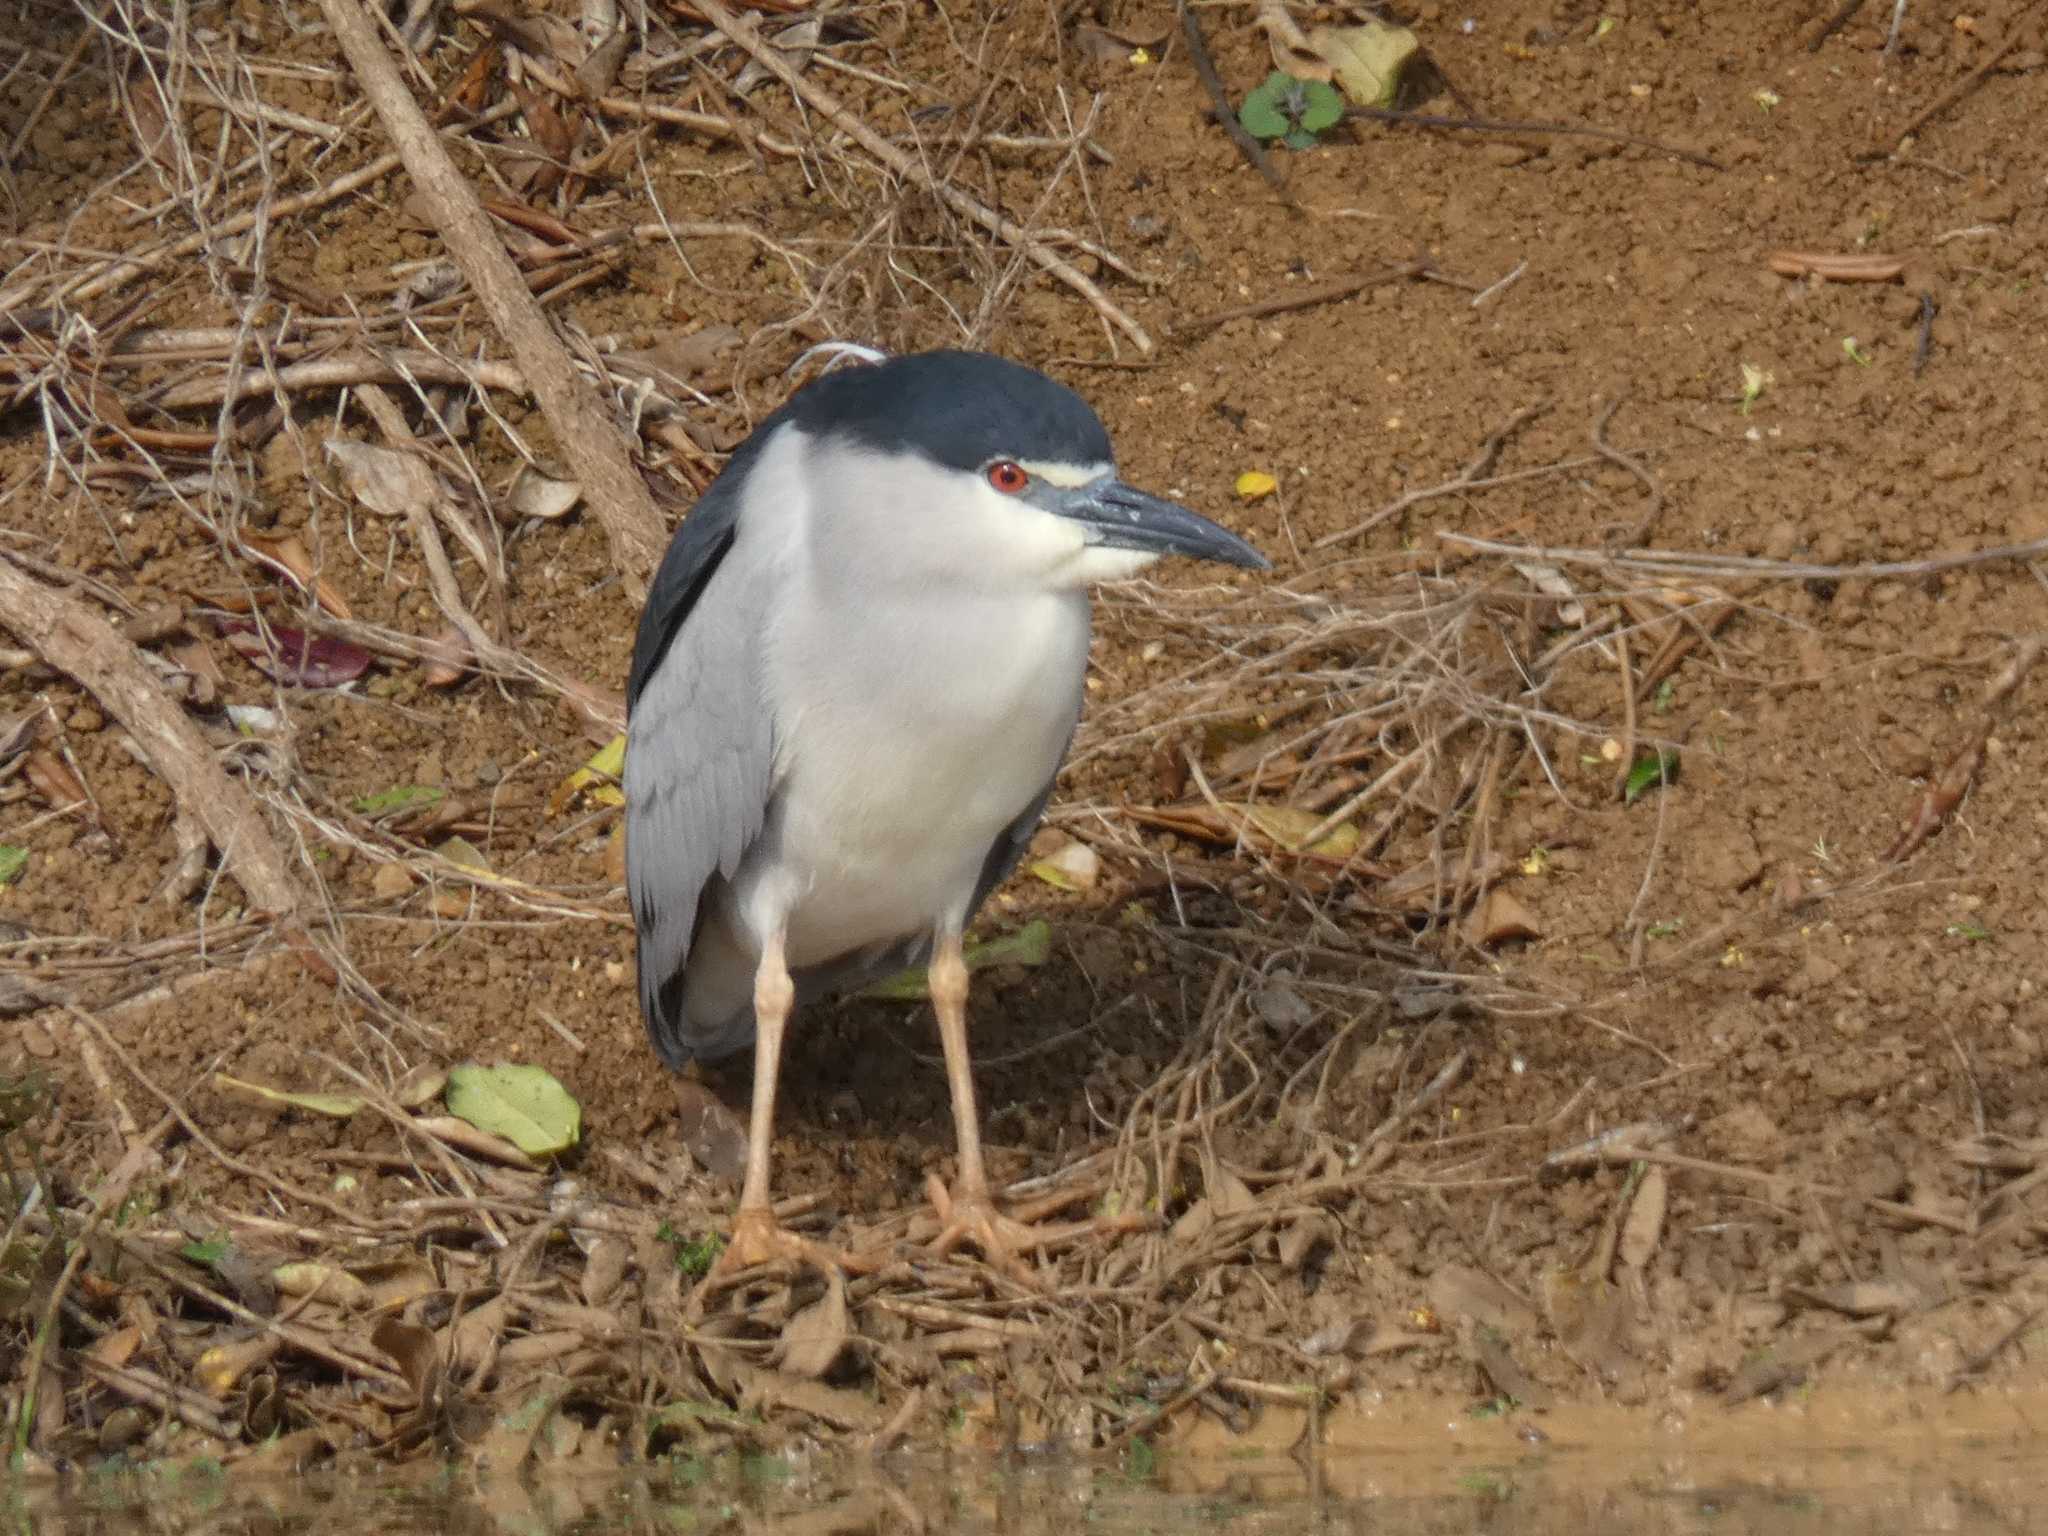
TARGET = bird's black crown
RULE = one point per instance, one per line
(960, 409)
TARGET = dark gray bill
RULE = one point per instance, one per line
(1122, 517)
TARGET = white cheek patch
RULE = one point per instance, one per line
(1100, 563)
(1066, 477)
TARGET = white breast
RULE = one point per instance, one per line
(912, 761)
(925, 694)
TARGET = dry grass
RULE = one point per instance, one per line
(1380, 706)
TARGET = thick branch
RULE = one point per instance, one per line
(79, 643)
(589, 439)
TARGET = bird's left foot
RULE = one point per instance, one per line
(971, 1217)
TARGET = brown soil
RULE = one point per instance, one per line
(1833, 1057)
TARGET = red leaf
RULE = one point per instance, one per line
(294, 657)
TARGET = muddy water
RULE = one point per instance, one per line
(1848, 1466)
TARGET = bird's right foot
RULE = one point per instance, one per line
(758, 1239)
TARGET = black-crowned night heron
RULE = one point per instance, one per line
(860, 665)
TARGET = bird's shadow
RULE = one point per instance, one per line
(1058, 1050)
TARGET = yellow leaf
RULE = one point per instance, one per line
(1289, 827)
(600, 776)
(1075, 867)
(1255, 483)
(1368, 60)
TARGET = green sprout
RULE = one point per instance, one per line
(1852, 350)
(1755, 381)
(1649, 771)
(1293, 111)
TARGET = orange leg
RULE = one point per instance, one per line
(967, 1213)
(757, 1238)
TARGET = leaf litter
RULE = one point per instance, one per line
(1356, 1095)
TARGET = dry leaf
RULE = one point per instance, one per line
(322, 1281)
(535, 495)
(1866, 1298)
(714, 1135)
(384, 480)
(813, 1339)
(420, 1087)
(605, 1269)
(1293, 54)
(54, 780)
(1368, 60)
(117, 1347)
(290, 558)
(1076, 867)
(447, 657)
(219, 1369)
(474, 1335)
(1499, 918)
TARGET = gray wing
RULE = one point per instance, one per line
(1008, 849)
(700, 751)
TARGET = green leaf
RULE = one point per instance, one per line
(1322, 107)
(336, 1106)
(208, 1253)
(13, 861)
(1261, 114)
(1029, 945)
(1651, 769)
(696, 1258)
(400, 801)
(525, 1105)
(1299, 138)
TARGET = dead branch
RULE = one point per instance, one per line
(1946, 792)
(589, 439)
(78, 642)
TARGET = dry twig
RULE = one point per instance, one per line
(587, 437)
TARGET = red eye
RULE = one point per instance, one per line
(1007, 477)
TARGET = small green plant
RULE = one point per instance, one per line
(1649, 771)
(1293, 111)
(696, 1257)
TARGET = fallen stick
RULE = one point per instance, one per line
(79, 643)
(1948, 787)
(589, 439)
